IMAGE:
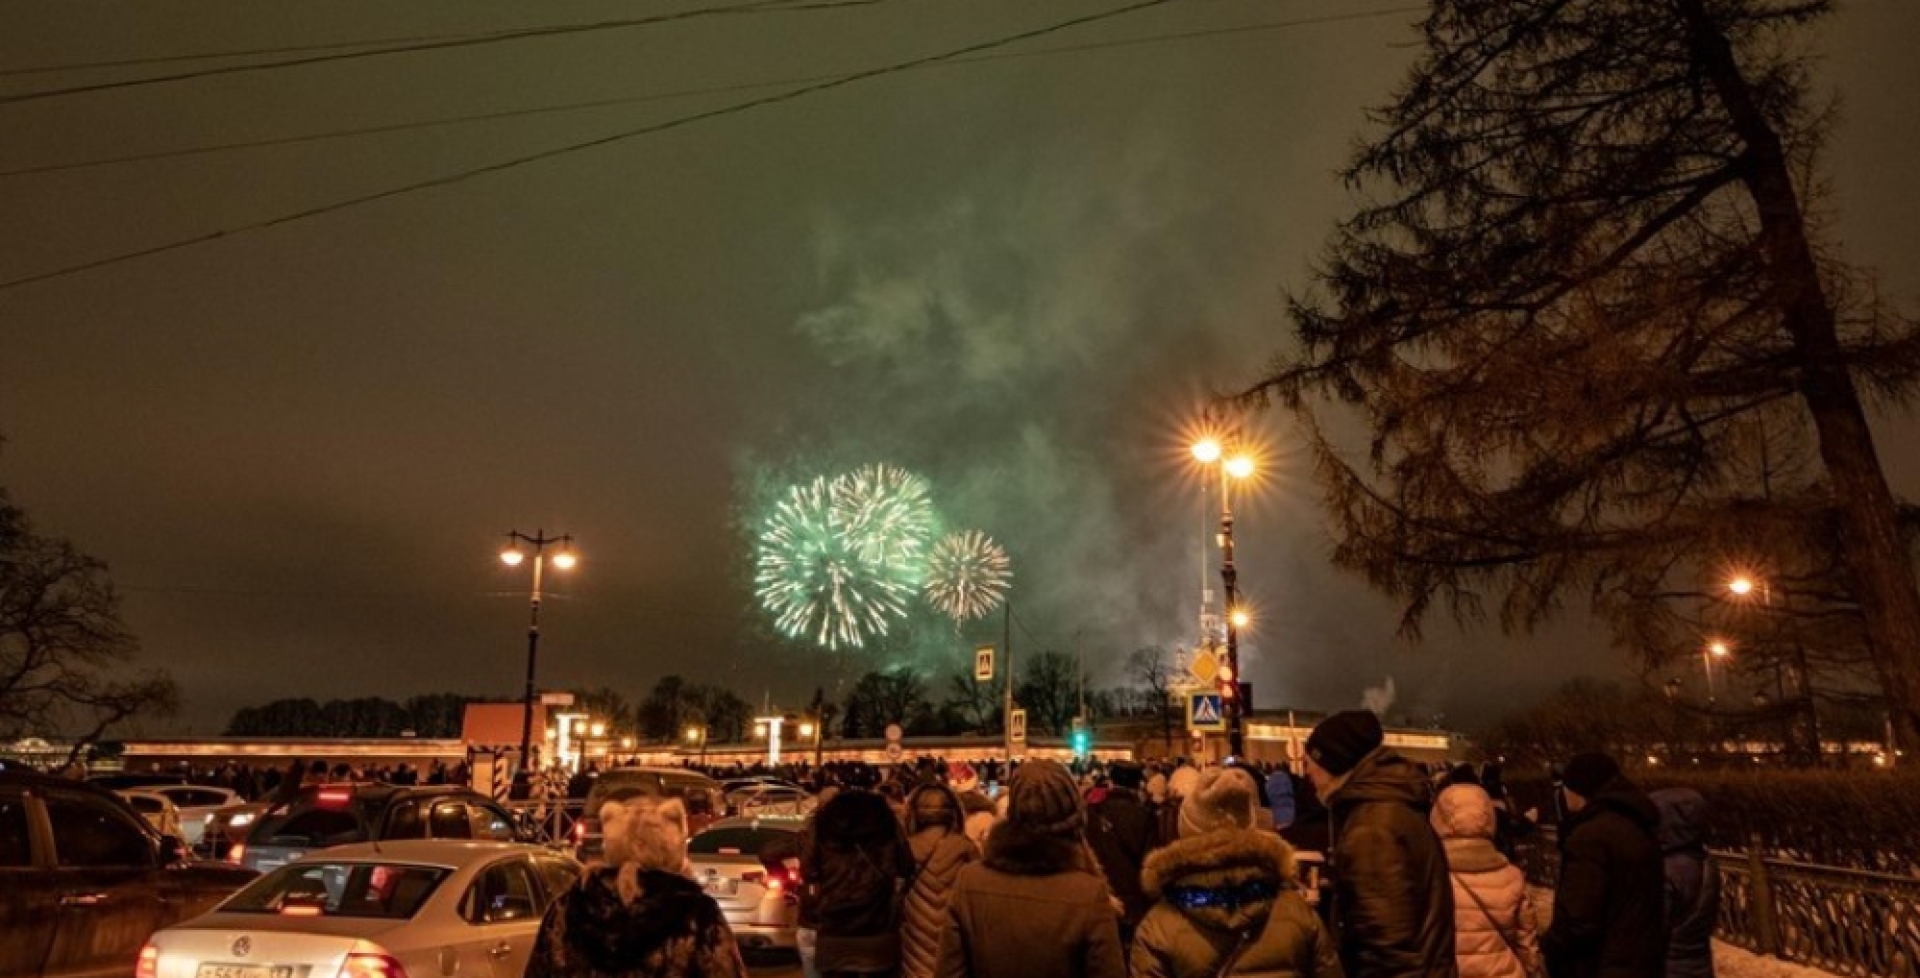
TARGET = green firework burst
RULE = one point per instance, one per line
(967, 575)
(816, 575)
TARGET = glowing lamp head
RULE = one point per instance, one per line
(626, 743)
(693, 734)
(1240, 466)
(1207, 450)
(806, 730)
(1741, 585)
(512, 556)
(1240, 619)
(1719, 649)
(565, 560)
(599, 730)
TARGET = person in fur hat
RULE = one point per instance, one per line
(637, 915)
(1036, 905)
(940, 850)
(1226, 899)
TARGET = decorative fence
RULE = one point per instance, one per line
(1850, 922)
(549, 822)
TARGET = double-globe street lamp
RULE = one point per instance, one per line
(1235, 465)
(513, 555)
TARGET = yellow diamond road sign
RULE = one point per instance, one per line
(1205, 665)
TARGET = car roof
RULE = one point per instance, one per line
(792, 823)
(448, 853)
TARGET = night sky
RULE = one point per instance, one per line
(299, 447)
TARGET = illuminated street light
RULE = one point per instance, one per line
(512, 556)
(599, 729)
(1236, 465)
(1741, 585)
(806, 728)
(1720, 649)
(1240, 618)
(693, 735)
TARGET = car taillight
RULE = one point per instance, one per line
(149, 964)
(579, 832)
(371, 964)
(238, 853)
(335, 798)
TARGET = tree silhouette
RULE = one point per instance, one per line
(1588, 287)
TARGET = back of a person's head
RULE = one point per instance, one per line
(643, 833)
(1464, 811)
(856, 820)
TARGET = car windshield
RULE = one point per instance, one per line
(337, 889)
(309, 827)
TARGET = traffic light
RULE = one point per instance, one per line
(1224, 680)
(1081, 740)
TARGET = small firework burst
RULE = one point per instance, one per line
(811, 573)
(967, 575)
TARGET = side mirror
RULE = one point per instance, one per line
(172, 850)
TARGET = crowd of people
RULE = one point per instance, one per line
(1366, 867)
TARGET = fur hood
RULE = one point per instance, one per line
(1226, 879)
(612, 937)
(1017, 850)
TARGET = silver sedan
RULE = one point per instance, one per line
(408, 909)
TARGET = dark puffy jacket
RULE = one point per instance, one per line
(1693, 884)
(1226, 890)
(1609, 909)
(1034, 906)
(1121, 830)
(672, 929)
(1392, 900)
(854, 861)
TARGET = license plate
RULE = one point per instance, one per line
(244, 971)
(722, 887)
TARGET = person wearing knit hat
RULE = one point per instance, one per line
(1609, 905)
(1225, 897)
(1036, 905)
(1392, 899)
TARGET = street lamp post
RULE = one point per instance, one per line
(1716, 649)
(563, 559)
(813, 728)
(1237, 465)
(699, 735)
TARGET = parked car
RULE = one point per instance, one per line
(84, 879)
(323, 816)
(228, 827)
(157, 809)
(375, 910)
(771, 799)
(197, 804)
(751, 867)
(700, 794)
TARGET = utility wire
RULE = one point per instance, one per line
(416, 125)
(749, 7)
(262, 52)
(460, 176)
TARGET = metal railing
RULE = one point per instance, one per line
(1847, 921)
(548, 822)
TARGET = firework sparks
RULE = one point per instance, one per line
(967, 575)
(887, 517)
(814, 576)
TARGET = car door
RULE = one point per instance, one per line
(111, 892)
(447, 819)
(502, 911)
(29, 900)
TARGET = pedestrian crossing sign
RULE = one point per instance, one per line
(1206, 712)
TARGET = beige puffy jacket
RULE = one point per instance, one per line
(1489, 893)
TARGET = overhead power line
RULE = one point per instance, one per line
(365, 42)
(422, 124)
(460, 176)
(749, 7)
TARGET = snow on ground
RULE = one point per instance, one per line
(1732, 962)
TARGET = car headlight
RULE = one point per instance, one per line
(244, 818)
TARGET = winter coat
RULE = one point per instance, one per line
(673, 929)
(1609, 909)
(1035, 906)
(1392, 900)
(1121, 831)
(1693, 883)
(939, 853)
(854, 862)
(1493, 933)
(1216, 890)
